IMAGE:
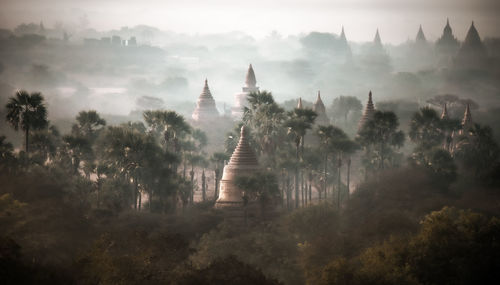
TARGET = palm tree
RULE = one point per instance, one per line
(298, 122)
(88, 124)
(28, 112)
(381, 135)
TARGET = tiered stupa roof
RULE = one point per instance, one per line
(243, 162)
(241, 98)
(320, 109)
(345, 48)
(205, 106)
(420, 39)
(467, 120)
(447, 42)
(368, 113)
(472, 45)
(444, 114)
(299, 104)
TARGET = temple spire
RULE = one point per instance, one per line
(250, 80)
(420, 36)
(243, 162)
(205, 106)
(342, 35)
(320, 109)
(377, 40)
(299, 105)
(444, 114)
(368, 113)
(467, 120)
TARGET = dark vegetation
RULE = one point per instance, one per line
(72, 209)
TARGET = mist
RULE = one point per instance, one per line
(249, 142)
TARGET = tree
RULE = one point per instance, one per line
(260, 186)
(28, 112)
(477, 150)
(88, 124)
(218, 159)
(426, 129)
(7, 159)
(343, 105)
(298, 122)
(380, 136)
(265, 118)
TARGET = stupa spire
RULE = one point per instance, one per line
(420, 36)
(320, 109)
(299, 104)
(243, 162)
(250, 80)
(342, 35)
(444, 114)
(368, 112)
(377, 40)
(205, 106)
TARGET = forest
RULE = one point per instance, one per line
(133, 203)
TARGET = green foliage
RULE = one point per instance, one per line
(27, 111)
(343, 105)
(260, 186)
(380, 136)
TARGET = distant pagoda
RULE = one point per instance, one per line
(447, 43)
(377, 42)
(345, 49)
(472, 52)
(205, 106)
(243, 162)
(320, 109)
(420, 38)
(299, 104)
(241, 98)
(466, 121)
(368, 113)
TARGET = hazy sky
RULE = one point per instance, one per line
(396, 19)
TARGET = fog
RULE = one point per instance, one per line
(115, 168)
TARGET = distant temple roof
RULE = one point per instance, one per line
(447, 42)
(299, 104)
(472, 45)
(243, 155)
(250, 80)
(444, 114)
(205, 106)
(377, 41)
(420, 39)
(368, 113)
(320, 109)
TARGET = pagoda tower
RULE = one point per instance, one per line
(241, 98)
(299, 104)
(447, 43)
(377, 42)
(344, 45)
(368, 113)
(420, 39)
(466, 121)
(205, 106)
(243, 162)
(472, 51)
(444, 114)
(320, 109)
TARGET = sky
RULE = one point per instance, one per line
(397, 20)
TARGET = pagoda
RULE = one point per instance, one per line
(345, 49)
(241, 98)
(205, 106)
(466, 121)
(299, 104)
(243, 162)
(368, 113)
(420, 39)
(472, 52)
(320, 109)
(447, 43)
